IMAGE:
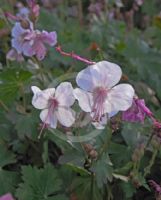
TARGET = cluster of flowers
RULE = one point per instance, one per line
(97, 94)
(26, 40)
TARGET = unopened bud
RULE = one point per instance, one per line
(91, 152)
(25, 24)
(88, 148)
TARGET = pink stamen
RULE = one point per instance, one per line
(53, 105)
(99, 95)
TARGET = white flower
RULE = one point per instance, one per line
(55, 104)
(99, 95)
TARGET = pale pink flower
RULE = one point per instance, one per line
(137, 112)
(42, 38)
(6, 197)
(55, 104)
(98, 94)
(22, 39)
(32, 42)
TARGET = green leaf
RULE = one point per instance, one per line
(11, 81)
(5, 127)
(86, 189)
(128, 189)
(73, 157)
(40, 184)
(103, 170)
(79, 170)
(133, 133)
(9, 181)
(27, 125)
(6, 156)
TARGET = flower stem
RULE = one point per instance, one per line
(148, 168)
(36, 61)
(23, 95)
(80, 12)
(4, 106)
(92, 186)
(74, 56)
(106, 144)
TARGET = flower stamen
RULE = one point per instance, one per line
(53, 105)
(99, 96)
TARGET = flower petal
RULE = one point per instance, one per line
(7, 196)
(49, 38)
(49, 118)
(119, 98)
(41, 97)
(64, 94)
(66, 116)
(39, 49)
(27, 49)
(85, 99)
(103, 73)
(13, 55)
(17, 30)
(23, 12)
(17, 45)
(113, 113)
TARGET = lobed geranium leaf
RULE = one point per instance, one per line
(40, 184)
(12, 81)
(27, 125)
(103, 170)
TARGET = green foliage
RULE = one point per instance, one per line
(27, 125)
(83, 187)
(6, 156)
(12, 82)
(40, 184)
(103, 170)
(9, 181)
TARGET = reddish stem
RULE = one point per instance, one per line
(74, 56)
(11, 16)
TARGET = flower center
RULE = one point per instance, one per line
(52, 106)
(53, 103)
(99, 96)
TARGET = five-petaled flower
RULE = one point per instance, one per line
(32, 42)
(98, 94)
(137, 112)
(55, 104)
